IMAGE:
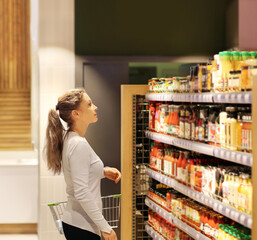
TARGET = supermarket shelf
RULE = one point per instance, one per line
(229, 155)
(153, 233)
(238, 98)
(169, 217)
(216, 205)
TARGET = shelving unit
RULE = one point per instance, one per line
(170, 218)
(232, 156)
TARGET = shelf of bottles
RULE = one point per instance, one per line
(153, 233)
(235, 98)
(226, 154)
(230, 212)
(170, 218)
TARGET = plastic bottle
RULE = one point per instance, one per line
(222, 120)
(225, 189)
(232, 129)
(226, 68)
(236, 60)
(239, 128)
(249, 130)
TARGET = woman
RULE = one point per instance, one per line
(68, 150)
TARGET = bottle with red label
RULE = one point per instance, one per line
(152, 111)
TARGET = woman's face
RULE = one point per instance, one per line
(87, 110)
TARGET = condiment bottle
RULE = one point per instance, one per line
(152, 116)
(157, 117)
(236, 60)
(187, 122)
(191, 171)
(239, 127)
(231, 129)
(184, 169)
(170, 119)
(192, 122)
(163, 118)
(182, 122)
(179, 166)
(226, 68)
(222, 120)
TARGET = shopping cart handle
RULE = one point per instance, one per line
(53, 204)
(117, 196)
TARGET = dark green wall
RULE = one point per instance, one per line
(150, 27)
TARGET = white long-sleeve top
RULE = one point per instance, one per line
(83, 171)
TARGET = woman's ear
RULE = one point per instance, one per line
(74, 114)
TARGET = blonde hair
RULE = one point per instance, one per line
(55, 132)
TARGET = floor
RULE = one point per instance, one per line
(18, 237)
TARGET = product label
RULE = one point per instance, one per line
(187, 130)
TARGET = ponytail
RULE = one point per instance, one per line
(54, 144)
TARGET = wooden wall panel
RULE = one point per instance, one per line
(15, 77)
(14, 45)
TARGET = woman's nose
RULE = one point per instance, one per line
(96, 108)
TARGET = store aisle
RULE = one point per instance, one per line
(18, 237)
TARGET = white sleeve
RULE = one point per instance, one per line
(80, 166)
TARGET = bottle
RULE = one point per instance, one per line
(152, 116)
(184, 169)
(249, 196)
(211, 124)
(170, 119)
(163, 118)
(176, 127)
(157, 117)
(175, 164)
(249, 130)
(239, 128)
(179, 167)
(253, 55)
(225, 189)
(222, 120)
(182, 122)
(226, 68)
(191, 171)
(242, 192)
(236, 60)
(192, 122)
(217, 76)
(187, 122)
(232, 129)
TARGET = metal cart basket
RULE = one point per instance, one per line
(111, 211)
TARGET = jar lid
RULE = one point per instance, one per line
(227, 53)
(244, 53)
(235, 53)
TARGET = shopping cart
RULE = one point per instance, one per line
(111, 211)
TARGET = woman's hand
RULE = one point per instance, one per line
(110, 236)
(112, 173)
